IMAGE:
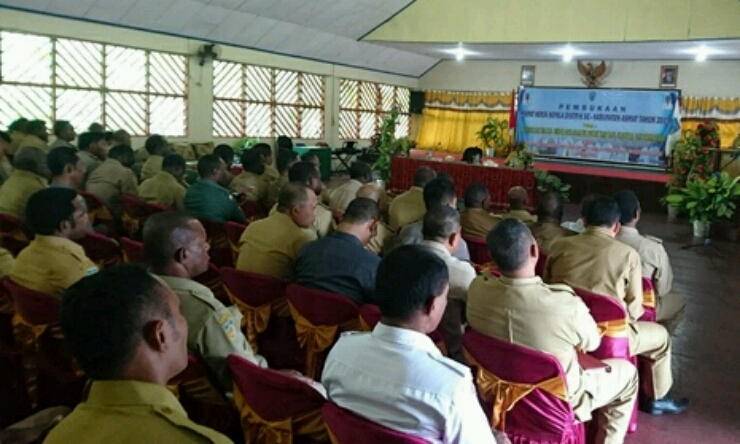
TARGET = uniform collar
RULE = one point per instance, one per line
(182, 284)
(599, 231)
(132, 393)
(436, 246)
(632, 231)
(520, 282)
(404, 336)
(59, 241)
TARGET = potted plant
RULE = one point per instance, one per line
(707, 200)
(388, 146)
(520, 157)
(547, 183)
(493, 135)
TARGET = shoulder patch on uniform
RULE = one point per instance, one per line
(90, 271)
(227, 323)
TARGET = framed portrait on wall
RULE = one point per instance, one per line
(668, 76)
(527, 76)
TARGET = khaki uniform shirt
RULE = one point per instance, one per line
(274, 190)
(6, 262)
(269, 246)
(382, 241)
(547, 232)
(16, 191)
(461, 272)
(51, 264)
(477, 222)
(163, 189)
(109, 181)
(34, 141)
(271, 174)
(152, 166)
(341, 196)
(16, 137)
(523, 215)
(91, 162)
(253, 186)
(322, 225)
(131, 412)
(214, 331)
(406, 208)
(6, 169)
(548, 318)
(655, 263)
(60, 142)
(595, 261)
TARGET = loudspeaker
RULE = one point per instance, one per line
(416, 102)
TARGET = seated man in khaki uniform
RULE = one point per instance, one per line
(655, 263)
(518, 198)
(595, 261)
(383, 239)
(271, 174)
(93, 150)
(269, 246)
(166, 187)
(442, 236)
(226, 153)
(31, 174)
(113, 178)
(66, 168)
(176, 248)
(547, 229)
(519, 308)
(250, 184)
(17, 132)
(37, 136)
(125, 330)
(157, 147)
(408, 207)
(360, 173)
(307, 174)
(53, 261)
(64, 133)
(285, 160)
(476, 220)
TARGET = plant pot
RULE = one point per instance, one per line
(490, 152)
(701, 229)
(673, 212)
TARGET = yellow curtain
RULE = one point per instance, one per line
(453, 130)
(462, 100)
(728, 129)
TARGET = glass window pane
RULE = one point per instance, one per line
(348, 93)
(402, 127)
(312, 123)
(168, 73)
(286, 121)
(80, 107)
(403, 98)
(31, 102)
(227, 80)
(348, 125)
(125, 69)
(25, 58)
(79, 63)
(259, 122)
(286, 87)
(369, 98)
(228, 118)
(167, 116)
(368, 125)
(127, 112)
(259, 84)
(313, 90)
(387, 97)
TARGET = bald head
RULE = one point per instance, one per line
(518, 198)
(33, 160)
(550, 208)
(370, 191)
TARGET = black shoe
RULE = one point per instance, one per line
(665, 406)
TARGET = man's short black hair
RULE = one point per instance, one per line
(253, 161)
(20, 124)
(508, 243)
(602, 211)
(309, 156)
(439, 192)
(360, 171)
(285, 158)
(173, 162)
(263, 149)
(123, 154)
(35, 126)
(303, 172)
(86, 139)
(423, 175)
(96, 127)
(163, 234)
(360, 211)
(629, 205)
(48, 208)
(5, 137)
(550, 207)
(587, 200)
(440, 223)
(476, 195)
(225, 152)
(104, 317)
(60, 126)
(119, 136)
(292, 194)
(154, 143)
(407, 278)
(59, 157)
(208, 164)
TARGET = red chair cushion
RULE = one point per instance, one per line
(321, 307)
(251, 288)
(35, 307)
(349, 428)
(479, 253)
(370, 314)
(134, 250)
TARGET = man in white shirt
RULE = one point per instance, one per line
(442, 236)
(395, 376)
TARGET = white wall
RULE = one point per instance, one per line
(705, 79)
(200, 91)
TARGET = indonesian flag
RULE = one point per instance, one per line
(512, 114)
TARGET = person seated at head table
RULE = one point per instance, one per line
(167, 186)
(519, 308)
(37, 135)
(250, 184)
(64, 133)
(476, 220)
(226, 153)
(53, 261)
(518, 198)
(594, 260)
(6, 166)
(395, 376)
(270, 173)
(577, 225)
(547, 229)
(360, 173)
(125, 330)
(157, 147)
(284, 160)
(383, 238)
(177, 249)
(656, 265)
(269, 246)
(339, 263)
(307, 174)
(408, 207)
(30, 174)
(93, 150)
(207, 199)
(442, 234)
(438, 192)
(66, 167)
(17, 130)
(113, 178)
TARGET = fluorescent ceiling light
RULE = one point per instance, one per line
(702, 53)
(568, 53)
(459, 52)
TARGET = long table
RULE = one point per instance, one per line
(498, 180)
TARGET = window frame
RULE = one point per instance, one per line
(378, 110)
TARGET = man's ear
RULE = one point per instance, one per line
(429, 305)
(155, 335)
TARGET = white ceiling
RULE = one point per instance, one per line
(326, 30)
(684, 50)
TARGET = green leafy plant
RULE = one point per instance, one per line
(494, 134)
(388, 146)
(709, 199)
(520, 157)
(244, 144)
(547, 183)
(691, 156)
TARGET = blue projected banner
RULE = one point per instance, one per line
(605, 125)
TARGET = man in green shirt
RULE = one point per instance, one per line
(207, 199)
